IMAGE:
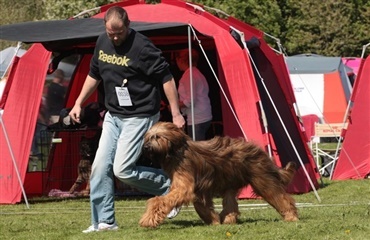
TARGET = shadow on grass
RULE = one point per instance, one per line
(178, 224)
(47, 199)
(175, 224)
(55, 199)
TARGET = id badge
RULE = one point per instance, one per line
(123, 96)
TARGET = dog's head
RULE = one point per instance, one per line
(162, 140)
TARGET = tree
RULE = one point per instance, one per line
(331, 27)
(263, 15)
(19, 11)
(361, 23)
(322, 28)
(33, 10)
(64, 9)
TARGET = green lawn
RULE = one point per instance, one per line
(343, 213)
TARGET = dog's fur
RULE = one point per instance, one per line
(88, 147)
(219, 167)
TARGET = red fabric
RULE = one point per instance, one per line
(19, 117)
(309, 124)
(335, 102)
(354, 158)
(9, 81)
(33, 183)
(78, 81)
(62, 169)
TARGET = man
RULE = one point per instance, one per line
(55, 96)
(132, 70)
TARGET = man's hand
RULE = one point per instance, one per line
(75, 114)
(178, 120)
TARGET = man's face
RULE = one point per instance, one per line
(117, 33)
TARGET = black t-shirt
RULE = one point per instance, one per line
(136, 60)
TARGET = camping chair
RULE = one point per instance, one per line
(333, 130)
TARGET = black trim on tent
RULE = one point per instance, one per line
(60, 35)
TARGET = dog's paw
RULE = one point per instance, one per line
(291, 217)
(148, 222)
(231, 218)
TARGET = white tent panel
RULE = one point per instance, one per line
(309, 93)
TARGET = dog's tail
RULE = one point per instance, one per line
(287, 173)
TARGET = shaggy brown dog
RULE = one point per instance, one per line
(219, 167)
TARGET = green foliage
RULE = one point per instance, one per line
(63, 9)
(323, 28)
(19, 11)
(343, 213)
(264, 15)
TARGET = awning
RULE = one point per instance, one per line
(59, 35)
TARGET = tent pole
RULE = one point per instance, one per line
(278, 114)
(264, 119)
(236, 118)
(364, 50)
(265, 125)
(11, 61)
(343, 149)
(191, 83)
(219, 84)
(337, 138)
(291, 141)
(13, 158)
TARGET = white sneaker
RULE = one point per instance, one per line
(107, 227)
(174, 212)
(92, 228)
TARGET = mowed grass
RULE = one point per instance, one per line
(343, 213)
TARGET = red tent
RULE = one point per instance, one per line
(24, 85)
(354, 158)
(251, 90)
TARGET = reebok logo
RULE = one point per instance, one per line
(113, 59)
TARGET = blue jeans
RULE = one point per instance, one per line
(119, 149)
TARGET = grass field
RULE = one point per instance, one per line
(343, 213)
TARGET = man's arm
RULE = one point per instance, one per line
(88, 88)
(171, 94)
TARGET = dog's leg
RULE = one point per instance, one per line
(156, 210)
(205, 208)
(73, 188)
(181, 193)
(274, 193)
(86, 178)
(288, 210)
(77, 184)
(158, 207)
(230, 211)
(87, 189)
